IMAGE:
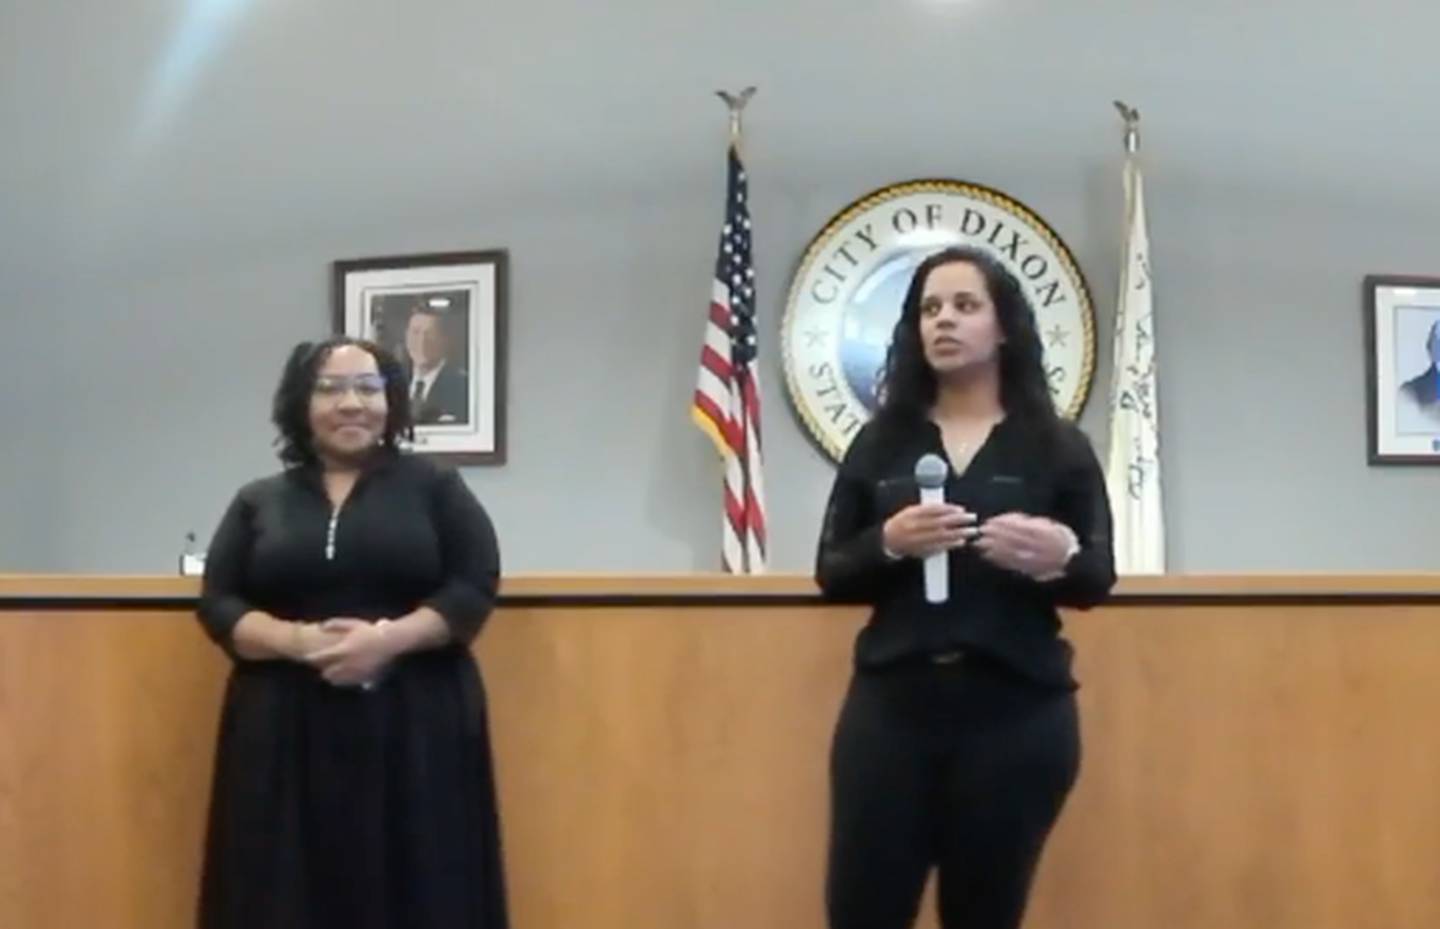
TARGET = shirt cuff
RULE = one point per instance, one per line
(1072, 548)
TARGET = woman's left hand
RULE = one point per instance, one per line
(1032, 545)
(358, 658)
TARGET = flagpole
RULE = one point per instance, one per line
(736, 104)
(726, 403)
(1132, 127)
(1133, 463)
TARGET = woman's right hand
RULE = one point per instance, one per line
(308, 638)
(924, 529)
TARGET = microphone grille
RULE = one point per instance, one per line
(930, 471)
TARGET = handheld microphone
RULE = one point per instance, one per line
(930, 472)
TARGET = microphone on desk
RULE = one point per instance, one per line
(930, 472)
(192, 563)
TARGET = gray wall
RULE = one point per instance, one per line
(157, 259)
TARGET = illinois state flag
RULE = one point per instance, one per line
(1133, 467)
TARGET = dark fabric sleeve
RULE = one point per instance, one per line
(222, 601)
(470, 556)
(851, 565)
(1084, 506)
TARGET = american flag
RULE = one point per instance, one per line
(727, 395)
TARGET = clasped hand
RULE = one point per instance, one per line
(347, 652)
(1032, 545)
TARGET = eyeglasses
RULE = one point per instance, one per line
(366, 386)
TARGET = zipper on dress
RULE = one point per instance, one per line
(333, 526)
(330, 534)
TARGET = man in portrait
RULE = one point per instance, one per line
(439, 389)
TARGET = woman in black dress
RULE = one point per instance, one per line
(958, 741)
(353, 785)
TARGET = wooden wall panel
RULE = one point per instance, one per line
(1253, 762)
(107, 725)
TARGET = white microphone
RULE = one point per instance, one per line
(930, 473)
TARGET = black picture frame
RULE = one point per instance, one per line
(450, 311)
(1402, 379)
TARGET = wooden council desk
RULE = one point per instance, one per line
(1260, 753)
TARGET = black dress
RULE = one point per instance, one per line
(341, 807)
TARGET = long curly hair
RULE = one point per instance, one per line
(290, 411)
(908, 384)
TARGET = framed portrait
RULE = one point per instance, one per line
(444, 317)
(1402, 362)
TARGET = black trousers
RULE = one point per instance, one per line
(959, 765)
